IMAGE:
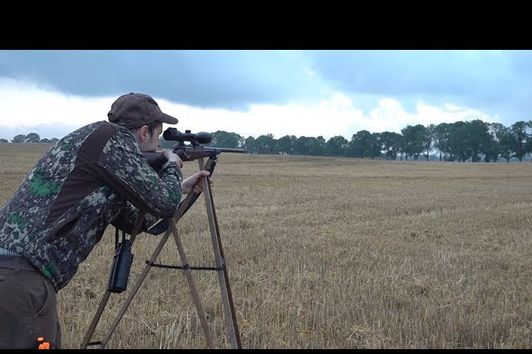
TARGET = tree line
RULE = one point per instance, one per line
(459, 141)
(30, 138)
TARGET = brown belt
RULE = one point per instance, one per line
(16, 263)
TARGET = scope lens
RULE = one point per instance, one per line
(170, 134)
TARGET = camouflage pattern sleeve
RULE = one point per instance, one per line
(123, 166)
(129, 214)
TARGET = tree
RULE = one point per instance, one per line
(479, 139)
(336, 146)
(264, 144)
(310, 145)
(286, 144)
(364, 144)
(495, 147)
(33, 138)
(21, 138)
(528, 146)
(458, 142)
(3, 141)
(520, 137)
(441, 137)
(250, 145)
(506, 144)
(221, 138)
(390, 143)
(413, 138)
(428, 140)
(317, 146)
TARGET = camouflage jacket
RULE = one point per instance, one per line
(92, 177)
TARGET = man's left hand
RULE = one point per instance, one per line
(194, 183)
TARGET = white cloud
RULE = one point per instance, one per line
(390, 115)
(25, 104)
(327, 117)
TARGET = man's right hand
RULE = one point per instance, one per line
(170, 156)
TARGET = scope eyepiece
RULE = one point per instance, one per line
(176, 135)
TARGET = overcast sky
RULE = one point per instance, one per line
(252, 92)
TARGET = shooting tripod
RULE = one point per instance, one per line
(221, 269)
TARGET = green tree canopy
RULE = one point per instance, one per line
(223, 139)
(413, 139)
(33, 138)
(20, 138)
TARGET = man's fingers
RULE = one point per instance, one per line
(204, 173)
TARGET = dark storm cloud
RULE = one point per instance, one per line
(229, 79)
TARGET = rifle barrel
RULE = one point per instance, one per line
(232, 150)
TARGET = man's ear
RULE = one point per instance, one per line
(143, 133)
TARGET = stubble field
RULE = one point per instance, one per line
(327, 253)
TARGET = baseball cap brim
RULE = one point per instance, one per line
(165, 118)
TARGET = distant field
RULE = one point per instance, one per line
(329, 253)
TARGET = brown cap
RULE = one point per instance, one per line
(136, 109)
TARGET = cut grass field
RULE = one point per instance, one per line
(328, 253)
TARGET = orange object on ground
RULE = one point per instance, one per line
(42, 343)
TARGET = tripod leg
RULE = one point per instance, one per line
(135, 288)
(182, 209)
(192, 286)
(223, 276)
(96, 319)
(107, 294)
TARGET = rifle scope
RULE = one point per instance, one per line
(176, 135)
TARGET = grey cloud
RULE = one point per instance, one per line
(229, 79)
(496, 82)
(411, 72)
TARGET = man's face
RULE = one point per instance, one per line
(150, 142)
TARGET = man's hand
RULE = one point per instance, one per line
(194, 183)
(170, 156)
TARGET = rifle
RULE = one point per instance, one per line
(188, 152)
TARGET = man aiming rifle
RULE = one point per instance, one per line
(93, 177)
